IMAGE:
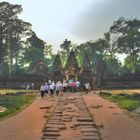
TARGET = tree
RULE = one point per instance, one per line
(128, 40)
(81, 51)
(13, 31)
(66, 45)
(113, 65)
(34, 51)
(65, 49)
(8, 13)
(49, 56)
(17, 32)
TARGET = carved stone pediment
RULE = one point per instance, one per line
(40, 69)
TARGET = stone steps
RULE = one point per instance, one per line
(78, 117)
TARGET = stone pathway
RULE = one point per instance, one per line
(70, 120)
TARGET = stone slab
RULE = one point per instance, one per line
(84, 119)
(88, 130)
(56, 126)
(90, 138)
(51, 134)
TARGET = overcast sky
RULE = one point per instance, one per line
(77, 20)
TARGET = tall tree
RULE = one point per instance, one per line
(34, 51)
(13, 32)
(49, 56)
(65, 49)
(66, 45)
(128, 40)
(8, 12)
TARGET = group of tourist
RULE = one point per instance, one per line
(57, 88)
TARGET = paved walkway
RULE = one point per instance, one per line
(71, 120)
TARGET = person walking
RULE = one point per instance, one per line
(42, 90)
(57, 88)
(52, 88)
(73, 86)
(46, 88)
(77, 86)
(87, 87)
(65, 86)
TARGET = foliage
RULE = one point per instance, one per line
(128, 40)
(65, 47)
(126, 102)
(113, 66)
(11, 33)
(19, 45)
(48, 55)
(81, 52)
(34, 51)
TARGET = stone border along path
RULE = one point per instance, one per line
(70, 120)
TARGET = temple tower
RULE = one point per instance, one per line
(71, 70)
(57, 70)
(87, 74)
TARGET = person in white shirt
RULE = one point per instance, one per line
(65, 87)
(57, 88)
(87, 87)
(42, 90)
(52, 88)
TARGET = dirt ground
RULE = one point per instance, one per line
(27, 125)
(112, 122)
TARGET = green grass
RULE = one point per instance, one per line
(126, 102)
(14, 104)
(6, 91)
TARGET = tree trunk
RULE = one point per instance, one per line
(10, 54)
(1, 44)
(1, 49)
(133, 62)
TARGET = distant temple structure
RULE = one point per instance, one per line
(71, 70)
(40, 69)
(57, 70)
(87, 74)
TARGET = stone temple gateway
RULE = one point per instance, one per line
(72, 70)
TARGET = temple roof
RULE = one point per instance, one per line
(72, 62)
(57, 65)
(86, 63)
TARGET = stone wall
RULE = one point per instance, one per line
(21, 83)
(121, 82)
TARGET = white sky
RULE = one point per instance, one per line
(52, 20)
(77, 20)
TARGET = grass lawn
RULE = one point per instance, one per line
(14, 104)
(122, 91)
(128, 102)
(6, 91)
